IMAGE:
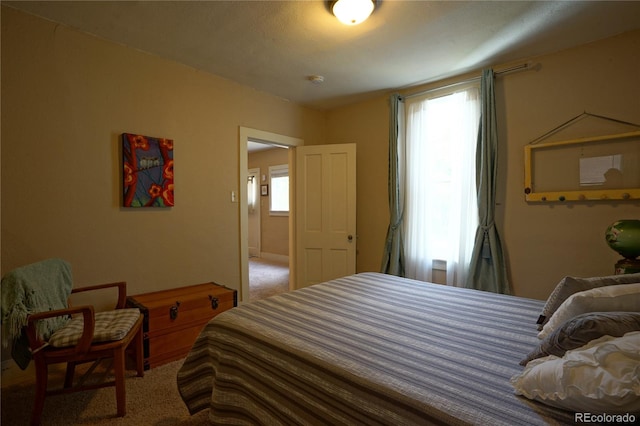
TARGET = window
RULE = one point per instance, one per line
(441, 213)
(252, 190)
(279, 197)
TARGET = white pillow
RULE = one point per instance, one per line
(571, 285)
(600, 377)
(622, 297)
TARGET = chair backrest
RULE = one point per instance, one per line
(37, 287)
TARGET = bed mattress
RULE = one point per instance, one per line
(367, 349)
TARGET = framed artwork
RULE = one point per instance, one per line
(147, 171)
(264, 189)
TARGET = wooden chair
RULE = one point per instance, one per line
(88, 337)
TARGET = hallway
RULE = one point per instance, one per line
(267, 278)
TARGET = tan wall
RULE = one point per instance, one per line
(366, 124)
(543, 242)
(546, 242)
(274, 230)
(66, 99)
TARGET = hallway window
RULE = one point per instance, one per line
(279, 196)
(252, 191)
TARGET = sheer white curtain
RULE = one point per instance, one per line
(252, 191)
(441, 212)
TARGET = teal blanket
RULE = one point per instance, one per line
(38, 287)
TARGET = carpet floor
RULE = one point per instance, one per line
(267, 278)
(151, 400)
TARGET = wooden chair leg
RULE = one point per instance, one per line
(119, 369)
(70, 373)
(138, 343)
(42, 377)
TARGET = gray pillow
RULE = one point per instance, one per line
(581, 329)
(570, 285)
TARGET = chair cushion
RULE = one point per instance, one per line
(110, 326)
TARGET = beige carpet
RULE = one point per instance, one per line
(267, 278)
(151, 400)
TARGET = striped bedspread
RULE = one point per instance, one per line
(367, 349)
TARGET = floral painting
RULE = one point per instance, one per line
(147, 171)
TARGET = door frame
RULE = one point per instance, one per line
(245, 135)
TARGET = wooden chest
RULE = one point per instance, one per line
(173, 318)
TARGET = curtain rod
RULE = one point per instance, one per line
(521, 67)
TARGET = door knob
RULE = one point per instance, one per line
(350, 237)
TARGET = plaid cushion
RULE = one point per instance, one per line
(110, 325)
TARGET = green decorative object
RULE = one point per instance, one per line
(623, 236)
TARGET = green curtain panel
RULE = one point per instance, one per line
(487, 270)
(393, 256)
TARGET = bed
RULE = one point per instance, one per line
(368, 349)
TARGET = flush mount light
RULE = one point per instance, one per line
(352, 12)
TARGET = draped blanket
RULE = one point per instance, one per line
(38, 287)
(367, 349)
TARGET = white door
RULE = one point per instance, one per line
(326, 212)
(253, 211)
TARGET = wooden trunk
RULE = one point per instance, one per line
(173, 318)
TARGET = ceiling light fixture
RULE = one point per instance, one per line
(352, 12)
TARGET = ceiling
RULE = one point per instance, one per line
(274, 46)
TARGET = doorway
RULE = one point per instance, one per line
(268, 219)
(247, 136)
